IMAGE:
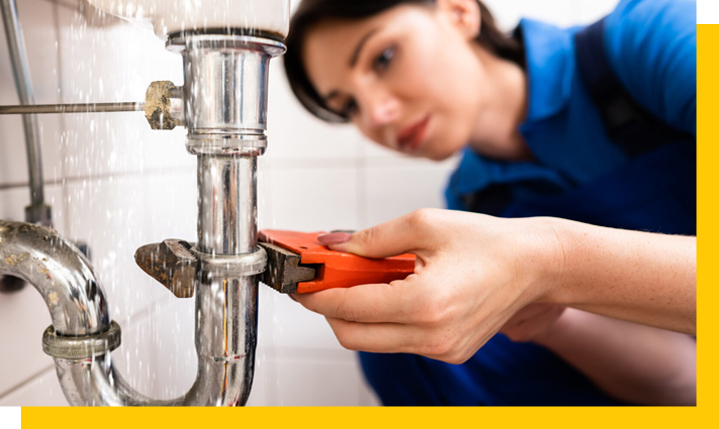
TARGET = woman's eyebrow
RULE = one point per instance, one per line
(352, 62)
(358, 49)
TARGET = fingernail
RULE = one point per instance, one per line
(334, 238)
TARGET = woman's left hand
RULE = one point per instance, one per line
(473, 273)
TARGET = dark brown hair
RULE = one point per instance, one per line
(311, 12)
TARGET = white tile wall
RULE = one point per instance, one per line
(117, 184)
(39, 33)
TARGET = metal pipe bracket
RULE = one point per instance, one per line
(246, 265)
(79, 348)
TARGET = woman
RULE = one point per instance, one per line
(546, 130)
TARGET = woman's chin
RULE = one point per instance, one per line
(441, 152)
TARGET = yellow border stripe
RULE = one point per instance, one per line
(360, 418)
(708, 207)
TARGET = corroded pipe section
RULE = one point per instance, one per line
(164, 108)
(60, 272)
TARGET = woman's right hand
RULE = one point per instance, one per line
(473, 273)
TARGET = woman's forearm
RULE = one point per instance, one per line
(637, 276)
(632, 362)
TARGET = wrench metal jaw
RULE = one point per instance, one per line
(170, 263)
(178, 265)
(284, 270)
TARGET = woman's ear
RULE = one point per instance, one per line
(465, 15)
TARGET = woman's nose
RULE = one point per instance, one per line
(382, 111)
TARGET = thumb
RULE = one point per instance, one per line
(405, 234)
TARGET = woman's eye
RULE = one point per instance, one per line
(383, 60)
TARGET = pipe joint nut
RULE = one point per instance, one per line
(253, 143)
(79, 348)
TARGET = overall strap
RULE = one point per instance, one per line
(628, 124)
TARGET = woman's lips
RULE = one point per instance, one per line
(412, 136)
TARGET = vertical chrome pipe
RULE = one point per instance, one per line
(38, 211)
(227, 219)
(225, 95)
(225, 339)
(226, 304)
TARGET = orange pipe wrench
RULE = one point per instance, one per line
(298, 263)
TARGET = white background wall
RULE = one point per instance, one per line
(117, 184)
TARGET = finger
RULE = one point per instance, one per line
(396, 302)
(399, 338)
(405, 234)
(377, 337)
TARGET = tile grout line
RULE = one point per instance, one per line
(330, 163)
(136, 173)
(27, 381)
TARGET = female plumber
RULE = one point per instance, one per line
(573, 210)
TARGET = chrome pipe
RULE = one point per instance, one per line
(225, 339)
(226, 81)
(60, 272)
(225, 77)
(225, 94)
(227, 215)
(38, 211)
(95, 382)
(78, 309)
(226, 304)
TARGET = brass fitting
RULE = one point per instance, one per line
(164, 108)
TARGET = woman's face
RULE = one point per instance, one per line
(408, 78)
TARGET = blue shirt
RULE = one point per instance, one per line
(651, 46)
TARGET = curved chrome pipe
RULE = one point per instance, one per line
(60, 272)
(78, 307)
(77, 304)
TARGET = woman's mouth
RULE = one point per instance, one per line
(411, 137)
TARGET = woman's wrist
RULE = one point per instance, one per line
(611, 271)
(549, 258)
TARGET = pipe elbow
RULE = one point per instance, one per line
(60, 272)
